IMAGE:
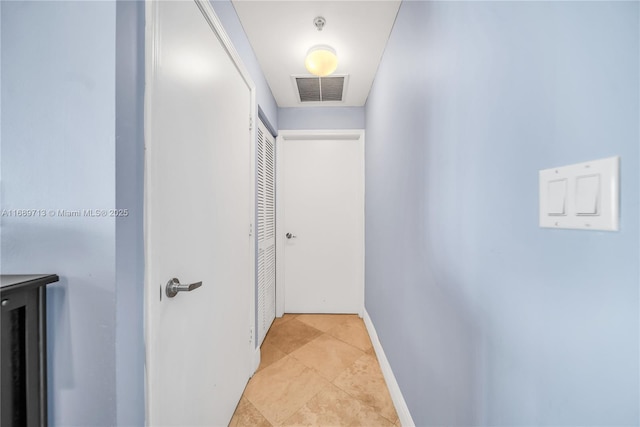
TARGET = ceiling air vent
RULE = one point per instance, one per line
(320, 89)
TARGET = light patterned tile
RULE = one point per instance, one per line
(286, 387)
(246, 415)
(364, 381)
(353, 332)
(324, 322)
(282, 388)
(327, 355)
(269, 354)
(333, 407)
(284, 319)
(291, 335)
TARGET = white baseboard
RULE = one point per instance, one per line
(392, 384)
(256, 361)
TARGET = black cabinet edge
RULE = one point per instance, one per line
(24, 282)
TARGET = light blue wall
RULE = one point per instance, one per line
(58, 152)
(486, 318)
(129, 179)
(319, 118)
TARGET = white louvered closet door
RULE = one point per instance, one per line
(266, 230)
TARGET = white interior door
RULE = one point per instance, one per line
(321, 221)
(265, 196)
(198, 213)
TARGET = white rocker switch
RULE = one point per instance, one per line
(587, 195)
(557, 196)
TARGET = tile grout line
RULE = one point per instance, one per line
(244, 396)
(334, 337)
(259, 411)
(305, 403)
(339, 339)
(273, 424)
(376, 410)
(365, 331)
(322, 375)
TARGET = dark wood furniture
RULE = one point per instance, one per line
(23, 353)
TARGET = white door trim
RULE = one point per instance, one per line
(283, 135)
(151, 62)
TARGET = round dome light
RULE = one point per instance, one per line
(321, 60)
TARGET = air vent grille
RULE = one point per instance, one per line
(331, 88)
(320, 89)
(309, 89)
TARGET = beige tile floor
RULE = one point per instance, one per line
(317, 370)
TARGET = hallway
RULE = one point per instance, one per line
(485, 317)
(317, 370)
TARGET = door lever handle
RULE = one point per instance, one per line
(290, 236)
(174, 286)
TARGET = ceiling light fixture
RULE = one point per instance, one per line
(321, 60)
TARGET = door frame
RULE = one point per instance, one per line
(286, 135)
(152, 36)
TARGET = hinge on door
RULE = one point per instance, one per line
(251, 336)
(250, 122)
(250, 229)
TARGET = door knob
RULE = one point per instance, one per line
(174, 286)
(290, 236)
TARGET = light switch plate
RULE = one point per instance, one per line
(591, 193)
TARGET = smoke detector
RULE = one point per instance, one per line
(319, 22)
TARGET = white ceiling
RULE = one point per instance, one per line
(281, 33)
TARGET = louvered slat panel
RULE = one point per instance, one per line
(260, 190)
(262, 288)
(265, 194)
(270, 286)
(269, 186)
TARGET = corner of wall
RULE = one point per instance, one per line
(394, 389)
